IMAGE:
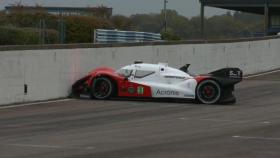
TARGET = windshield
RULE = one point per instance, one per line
(124, 72)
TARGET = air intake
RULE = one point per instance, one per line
(138, 62)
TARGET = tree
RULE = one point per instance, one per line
(80, 29)
(147, 22)
(225, 26)
(178, 24)
(122, 23)
(169, 35)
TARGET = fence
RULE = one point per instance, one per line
(115, 36)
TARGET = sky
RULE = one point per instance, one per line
(187, 8)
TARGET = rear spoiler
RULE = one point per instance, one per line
(233, 73)
(227, 76)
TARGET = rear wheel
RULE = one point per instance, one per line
(208, 92)
(102, 88)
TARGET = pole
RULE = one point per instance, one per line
(94, 36)
(202, 28)
(40, 31)
(165, 15)
(266, 18)
(61, 28)
(44, 31)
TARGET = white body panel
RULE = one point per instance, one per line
(184, 89)
(165, 82)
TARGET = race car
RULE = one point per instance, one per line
(143, 80)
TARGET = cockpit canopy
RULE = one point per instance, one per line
(143, 70)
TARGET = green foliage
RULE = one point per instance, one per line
(51, 36)
(169, 35)
(23, 28)
(179, 25)
(31, 20)
(233, 26)
(121, 22)
(3, 19)
(216, 27)
(147, 22)
(24, 36)
(223, 27)
(195, 28)
(80, 29)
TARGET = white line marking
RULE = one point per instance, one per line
(266, 122)
(36, 146)
(218, 120)
(36, 103)
(221, 121)
(50, 146)
(256, 138)
(261, 74)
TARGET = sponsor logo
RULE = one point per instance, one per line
(167, 92)
(234, 74)
(131, 90)
(140, 90)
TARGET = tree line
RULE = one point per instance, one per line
(43, 28)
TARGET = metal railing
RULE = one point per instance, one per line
(115, 36)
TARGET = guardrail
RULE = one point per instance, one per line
(115, 36)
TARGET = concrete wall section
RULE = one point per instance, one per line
(50, 73)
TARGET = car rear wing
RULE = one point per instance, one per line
(234, 73)
(228, 75)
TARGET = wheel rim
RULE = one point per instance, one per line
(209, 92)
(102, 88)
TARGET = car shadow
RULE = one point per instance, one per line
(161, 100)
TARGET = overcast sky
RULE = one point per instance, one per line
(187, 8)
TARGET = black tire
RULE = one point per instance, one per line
(102, 88)
(208, 92)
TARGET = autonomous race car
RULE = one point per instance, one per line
(143, 80)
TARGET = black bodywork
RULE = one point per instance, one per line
(227, 78)
(80, 87)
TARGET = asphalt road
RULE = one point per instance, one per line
(135, 129)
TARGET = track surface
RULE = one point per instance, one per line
(134, 129)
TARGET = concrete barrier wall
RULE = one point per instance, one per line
(50, 73)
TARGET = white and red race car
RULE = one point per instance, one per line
(142, 80)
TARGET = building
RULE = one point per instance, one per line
(65, 11)
(269, 8)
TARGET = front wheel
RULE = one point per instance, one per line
(102, 88)
(208, 92)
